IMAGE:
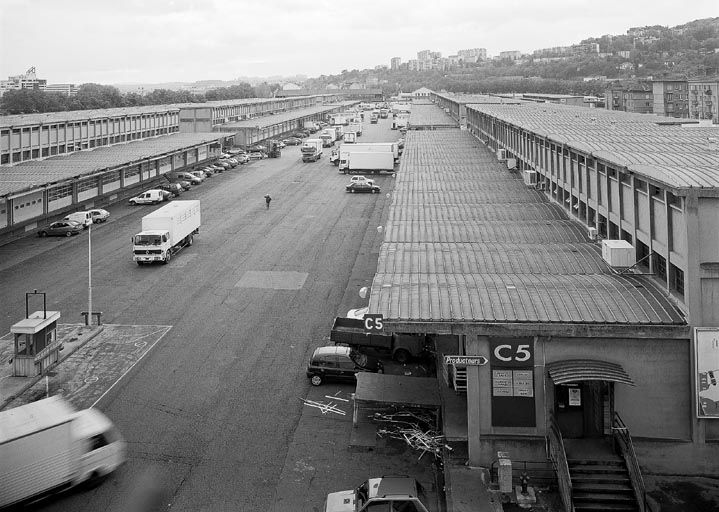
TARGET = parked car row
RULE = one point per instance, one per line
(177, 183)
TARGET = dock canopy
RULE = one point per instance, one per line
(576, 370)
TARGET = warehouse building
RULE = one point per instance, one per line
(565, 259)
(57, 163)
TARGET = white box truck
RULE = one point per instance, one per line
(166, 231)
(48, 446)
(350, 137)
(311, 150)
(328, 138)
(366, 162)
(373, 147)
(354, 127)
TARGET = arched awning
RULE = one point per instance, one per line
(576, 370)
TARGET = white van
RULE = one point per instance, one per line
(84, 218)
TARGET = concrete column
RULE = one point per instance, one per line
(478, 399)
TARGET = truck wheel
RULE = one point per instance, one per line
(316, 380)
(168, 257)
(69, 233)
(374, 190)
(190, 240)
(352, 191)
(401, 356)
(139, 263)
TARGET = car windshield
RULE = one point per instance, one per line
(148, 239)
(359, 358)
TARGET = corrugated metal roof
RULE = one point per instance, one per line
(36, 173)
(477, 212)
(577, 370)
(680, 157)
(423, 115)
(265, 121)
(82, 115)
(467, 241)
(526, 231)
(490, 258)
(534, 298)
(103, 113)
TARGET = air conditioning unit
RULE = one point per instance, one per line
(618, 253)
(530, 178)
(501, 155)
(511, 163)
(592, 233)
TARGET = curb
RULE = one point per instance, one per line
(81, 342)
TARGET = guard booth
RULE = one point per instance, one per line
(36, 343)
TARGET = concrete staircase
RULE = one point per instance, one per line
(601, 485)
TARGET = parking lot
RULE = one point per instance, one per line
(214, 413)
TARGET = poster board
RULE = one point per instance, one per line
(706, 370)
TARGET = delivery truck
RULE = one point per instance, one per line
(354, 127)
(311, 150)
(166, 231)
(401, 347)
(328, 137)
(350, 137)
(48, 446)
(366, 162)
(373, 147)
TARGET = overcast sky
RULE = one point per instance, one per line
(153, 41)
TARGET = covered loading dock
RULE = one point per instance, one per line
(34, 193)
(490, 267)
(252, 131)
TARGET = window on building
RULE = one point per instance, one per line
(642, 251)
(660, 265)
(676, 279)
(59, 191)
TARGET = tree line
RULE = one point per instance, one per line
(95, 96)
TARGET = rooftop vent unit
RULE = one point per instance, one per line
(511, 163)
(501, 155)
(530, 178)
(618, 253)
(592, 233)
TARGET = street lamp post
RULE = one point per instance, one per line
(88, 318)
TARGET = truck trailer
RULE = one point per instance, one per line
(48, 446)
(366, 162)
(328, 137)
(166, 231)
(311, 150)
(401, 347)
(374, 147)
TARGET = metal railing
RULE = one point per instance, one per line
(623, 444)
(555, 449)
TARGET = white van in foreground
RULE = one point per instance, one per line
(48, 446)
(84, 218)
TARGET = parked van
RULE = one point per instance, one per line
(150, 197)
(84, 218)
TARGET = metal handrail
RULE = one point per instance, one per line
(558, 456)
(623, 440)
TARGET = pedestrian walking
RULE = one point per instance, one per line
(267, 200)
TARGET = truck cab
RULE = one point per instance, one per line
(386, 493)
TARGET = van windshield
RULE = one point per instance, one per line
(148, 239)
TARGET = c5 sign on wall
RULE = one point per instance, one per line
(512, 361)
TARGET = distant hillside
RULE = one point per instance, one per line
(688, 50)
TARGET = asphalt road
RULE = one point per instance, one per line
(210, 413)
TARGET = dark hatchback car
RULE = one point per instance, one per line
(339, 363)
(62, 228)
